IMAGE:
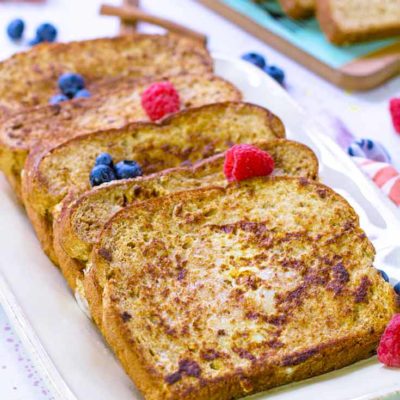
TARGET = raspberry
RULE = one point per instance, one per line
(243, 161)
(160, 99)
(389, 346)
(395, 113)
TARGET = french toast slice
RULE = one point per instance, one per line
(29, 78)
(81, 219)
(218, 293)
(188, 136)
(117, 103)
(350, 21)
(298, 9)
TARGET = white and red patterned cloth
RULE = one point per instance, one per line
(384, 175)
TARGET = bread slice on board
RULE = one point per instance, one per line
(298, 9)
(188, 136)
(30, 78)
(219, 293)
(81, 219)
(350, 21)
(117, 103)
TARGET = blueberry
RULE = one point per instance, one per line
(385, 276)
(397, 288)
(70, 84)
(275, 73)
(58, 98)
(46, 33)
(104, 159)
(255, 58)
(101, 174)
(15, 29)
(83, 93)
(128, 169)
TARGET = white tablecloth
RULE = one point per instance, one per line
(364, 114)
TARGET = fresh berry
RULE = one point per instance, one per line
(128, 169)
(254, 58)
(82, 94)
(389, 346)
(395, 113)
(104, 159)
(70, 84)
(275, 73)
(243, 161)
(384, 275)
(15, 29)
(46, 33)
(160, 99)
(397, 288)
(101, 174)
(370, 149)
(58, 98)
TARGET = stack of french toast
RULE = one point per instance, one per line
(204, 287)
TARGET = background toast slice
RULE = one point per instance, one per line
(30, 78)
(117, 103)
(81, 219)
(287, 292)
(188, 136)
(349, 21)
(298, 9)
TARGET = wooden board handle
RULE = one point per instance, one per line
(133, 14)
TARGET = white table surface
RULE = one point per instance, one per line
(364, 114)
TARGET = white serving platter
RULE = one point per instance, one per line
(72, 355)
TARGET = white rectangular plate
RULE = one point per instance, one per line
(69, 350)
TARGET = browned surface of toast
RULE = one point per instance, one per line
(81, 219)
(30, 78)
(188, 136)
(298, 9)
(117, 103)
(350, 21)
(287, 292)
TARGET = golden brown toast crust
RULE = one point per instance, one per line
(190, 135)
(30, 78)
(297, 9)
(242, 340)
(340, 36)
(116, 104)
(81, 219)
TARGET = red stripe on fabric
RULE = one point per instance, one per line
(394, 194)
(384, 175)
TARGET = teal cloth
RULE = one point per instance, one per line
(305, 35)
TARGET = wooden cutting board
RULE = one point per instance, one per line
(357, 67)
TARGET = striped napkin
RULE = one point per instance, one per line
(369, 155)
(384, 175)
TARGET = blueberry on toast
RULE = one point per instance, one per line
(218, 293)
(30, 78)
(188, 136)
(117, 103)
(81, 219)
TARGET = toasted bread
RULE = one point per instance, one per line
(116, 104)
(219, 293)
(29, 78)
(81, 219)
(349, 21)
(187, 136)
(298, 9)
